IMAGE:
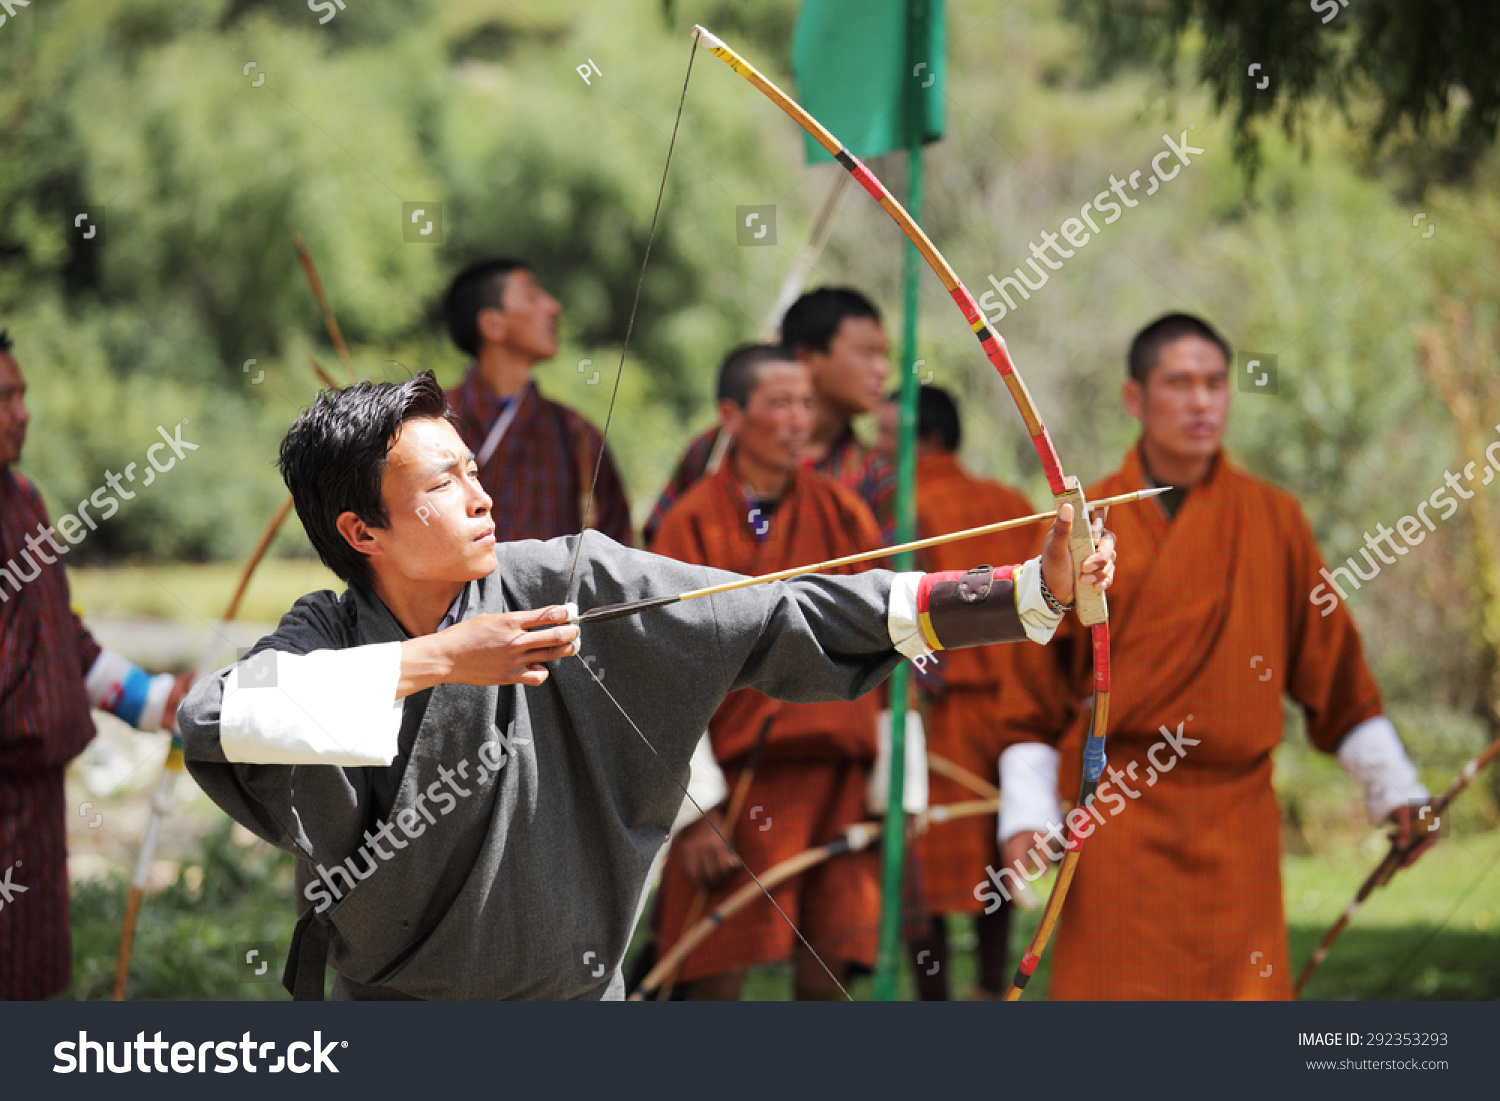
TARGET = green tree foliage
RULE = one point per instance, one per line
(150, 117)
(1398, 68)
(144, 108)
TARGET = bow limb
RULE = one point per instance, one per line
(1092, 609)
(1396, 858)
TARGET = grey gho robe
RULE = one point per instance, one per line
(529, 885)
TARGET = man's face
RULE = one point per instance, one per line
(527, 322)
(773, 429)
(851, 375)
(1184, 405)
(438, 517)
(14, 416)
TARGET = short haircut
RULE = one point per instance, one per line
(739, 374)
(5, 344)
(480, 286)
(813, 320)
(334, 454)
(1148, 343)
(937, 414)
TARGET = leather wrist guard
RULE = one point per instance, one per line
(969, 609)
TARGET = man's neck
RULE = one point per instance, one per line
(1166, 469)
(419, 606)
(830, 425)
(767, 483)
(503, 372)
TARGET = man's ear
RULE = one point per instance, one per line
(812, 360)
(731, 417)
(358, 534)
(1133, 394)
(492, 325)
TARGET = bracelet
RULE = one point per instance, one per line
(1057, 606)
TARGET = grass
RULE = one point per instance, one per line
(1429, 935)
(197, 593)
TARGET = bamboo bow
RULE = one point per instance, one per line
(1092, 609)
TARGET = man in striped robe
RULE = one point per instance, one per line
(51, 671)
(536, 456)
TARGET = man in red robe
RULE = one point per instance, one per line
(51, 670)
(835, 332)
(761, 512)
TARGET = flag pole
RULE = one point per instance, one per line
(893, 851)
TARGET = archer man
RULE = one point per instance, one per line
(469, 819)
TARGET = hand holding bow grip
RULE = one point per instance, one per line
(1091, 605)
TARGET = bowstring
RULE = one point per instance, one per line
(732, 851)
(588, 506)
(630, 324)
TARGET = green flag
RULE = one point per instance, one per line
(855, 69)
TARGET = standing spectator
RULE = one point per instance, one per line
(835, 332)
(51, 672)
(536, 456)
(1214, 624)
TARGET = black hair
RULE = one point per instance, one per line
(813, 320)
(937, 414)
(739, 374)
(334, 454)
(5, 344)
(480, 286)
(1148, 343)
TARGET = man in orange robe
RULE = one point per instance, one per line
(837, 334)
(763, 511)
(962, 691)
(1178, 892)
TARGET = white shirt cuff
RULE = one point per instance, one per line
(901, 617)
(1372, 753)
(914, 791)
(330, 707)
(1037, 618)
(706, 784)
(1028, 787)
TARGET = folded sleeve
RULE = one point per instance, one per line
(301, 808)
(329, 707)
